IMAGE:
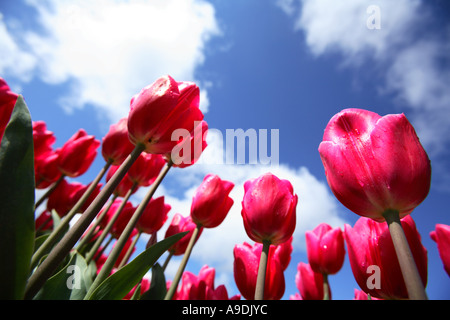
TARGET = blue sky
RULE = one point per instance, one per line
(288, 65)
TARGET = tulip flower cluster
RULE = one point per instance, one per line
(375, 166)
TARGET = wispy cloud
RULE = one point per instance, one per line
(107, 50)
(410, 52)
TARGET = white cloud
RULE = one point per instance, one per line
(410, 55)
(110, 50)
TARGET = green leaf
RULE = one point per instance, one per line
(117, 285)
(158, 288)
(70, 283)
(17, 224)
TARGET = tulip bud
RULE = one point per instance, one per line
(78, 153)
(373, 259)
(441, 235)
(116, 145)
(269, 209)
(181, 224)
(245, 267)
(145, 169)
(374, 164)
(161, 108)
(309, 283)
(325, 249)
(211, 203)
(153, 216)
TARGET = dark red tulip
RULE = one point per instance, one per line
(153, 216)
(78, 153)
(7, 102)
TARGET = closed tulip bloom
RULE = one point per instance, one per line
(211, 201)
(309, 283)
(64, 197)
(441, 235)
(181, 224)
(43, 139)
(373, 259)
(153, 216)
(269, 209)
(123, 218)
(44, 222)
(161, 108)
(146, 169)
(7, 102)
(325, 249)
(78, 153)
(374, 164)
(116, 146)
(245, 268)
(46, 169)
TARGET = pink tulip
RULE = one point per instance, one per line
(246, 263)
(64, 197)
(7, 102)
(181, 224)
(145, 169)
(375, 163)
(46, 169)
(161, 108)
(211, 201)
(361, 295)
(373, 259)
(116, 146)
(269, 209)
(43, 139)
(78, 153)
(201, 287)
(309, 283)
(153, 216)
(441, 235)
(325, 249)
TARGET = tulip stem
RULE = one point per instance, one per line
(129, 251)
(411, 276)
(261, 278)
(60, 251)
(49, 191)
(61, 228)
(326, 287)
(108, 227)
(166, 262)
(120, 244)
(183, 263)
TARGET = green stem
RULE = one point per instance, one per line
(61, 228)
(167, 260)
(120, 244)
(60, 251)
(411, 276)
(88, 236)
(261, 278)
(183, 263)
(326, 287)
(129, 251)
(108, 227)
(49, 191)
